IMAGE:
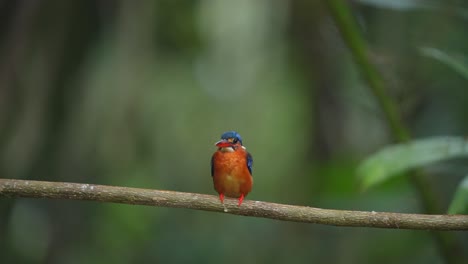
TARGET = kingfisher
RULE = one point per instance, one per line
(231, 168)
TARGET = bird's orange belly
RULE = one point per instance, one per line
(231, 175)
(233, 186)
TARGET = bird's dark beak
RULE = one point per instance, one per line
(223, 143)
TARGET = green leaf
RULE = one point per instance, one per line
(459, 203)
(395, 159)
(397, 4)
(455, 63)
(417, 5)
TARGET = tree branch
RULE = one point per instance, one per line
(112, 194)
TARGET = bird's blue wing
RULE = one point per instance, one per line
(249, 162)
(212, 166)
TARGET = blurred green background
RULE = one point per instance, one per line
(135, 93)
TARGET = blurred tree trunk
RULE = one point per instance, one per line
(308, 27)
(17, 21)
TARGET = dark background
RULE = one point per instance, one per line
(135, 93)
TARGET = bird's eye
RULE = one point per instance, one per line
(234, 140)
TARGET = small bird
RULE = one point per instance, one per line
(231, 168)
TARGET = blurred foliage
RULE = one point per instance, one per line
(135, 93)
(395, 159)
(459, 203)
(451, 61)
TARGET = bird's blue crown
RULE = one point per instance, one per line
(232, 134)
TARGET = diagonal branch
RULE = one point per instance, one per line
(124, 195)
(449, 246)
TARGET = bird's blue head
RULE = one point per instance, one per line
(228, 139)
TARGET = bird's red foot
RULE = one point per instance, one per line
(241, 199)
(221, 197)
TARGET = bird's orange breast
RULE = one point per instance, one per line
(231, 175)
